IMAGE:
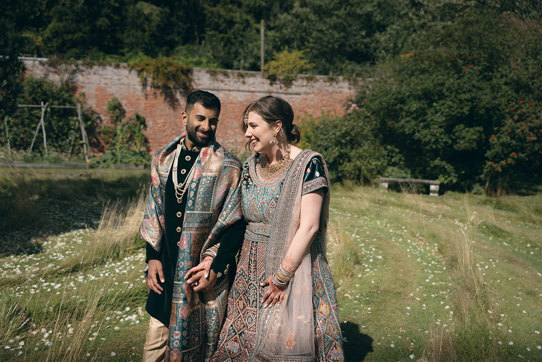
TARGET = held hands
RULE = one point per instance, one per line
(153, 273)
(201, 276)
(274, 294)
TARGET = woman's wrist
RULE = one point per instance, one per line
(282, 277)
(212, 252)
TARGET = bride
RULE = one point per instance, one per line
(283, 304)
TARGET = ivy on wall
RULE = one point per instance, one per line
(165, 75)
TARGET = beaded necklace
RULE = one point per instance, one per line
(180, 188)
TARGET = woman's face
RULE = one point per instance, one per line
(259, 133)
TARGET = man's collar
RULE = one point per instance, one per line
(194, 148)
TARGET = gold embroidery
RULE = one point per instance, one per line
(324, 309)
(290, 342)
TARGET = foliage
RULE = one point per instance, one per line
(125, 138)
(117, 112)
(439, 104)
(286, 65)
(166, 75)
(515, 151)
(200, 56)
(62, 127)
(145, 23)
(351, 147)
(341, 36)
(336, 33)
(233, 35)
(60, 124)
(11, 68)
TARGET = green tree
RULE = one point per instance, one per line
(144, 28)
(11, 45)
(84, 28)
(337, 34)
(233, 36)
(440, 104)
(514, 155)
(352, 148)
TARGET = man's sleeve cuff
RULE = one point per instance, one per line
(151, 253)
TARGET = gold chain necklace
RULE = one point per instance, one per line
(268, 171)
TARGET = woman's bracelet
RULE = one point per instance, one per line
(212, 251)
(282, 277)
(278, 284)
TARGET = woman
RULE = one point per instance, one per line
(283, 304)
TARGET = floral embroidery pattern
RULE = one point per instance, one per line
(290, 342)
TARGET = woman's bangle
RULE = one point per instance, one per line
(282, 277)
(277, 283)
(212, 251)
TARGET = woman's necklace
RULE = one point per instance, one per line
(181, 188)
(272, 171)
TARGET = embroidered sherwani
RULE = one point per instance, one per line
(212, 204)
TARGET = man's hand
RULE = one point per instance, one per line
(153, 273)
(201, 276)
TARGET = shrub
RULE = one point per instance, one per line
(59, 123)
(351, 147)
(515, 150)
(286, 65)
(125, 139)
(442, 104)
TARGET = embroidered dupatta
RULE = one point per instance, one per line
(306, 325)
(213, 204)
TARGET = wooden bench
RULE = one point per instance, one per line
(433, 184)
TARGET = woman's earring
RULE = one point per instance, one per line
(274, 140)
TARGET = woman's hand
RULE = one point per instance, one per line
(201, 277)
(273, 295)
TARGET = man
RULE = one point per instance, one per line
(193, 207)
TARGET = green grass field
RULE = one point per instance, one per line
(458, 277)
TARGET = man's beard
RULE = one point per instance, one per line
(192, 135)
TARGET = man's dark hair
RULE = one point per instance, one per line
(206, 99)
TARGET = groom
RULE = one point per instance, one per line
(193, 207)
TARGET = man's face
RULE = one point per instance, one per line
(200, 123)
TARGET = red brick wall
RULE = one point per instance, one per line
(235, 89)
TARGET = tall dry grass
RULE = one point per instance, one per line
(342, 251)
(72, 324)
(472, 332)
(74, 346)
(117, 236)
(14, 316)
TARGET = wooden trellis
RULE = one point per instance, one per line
(41, 124)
